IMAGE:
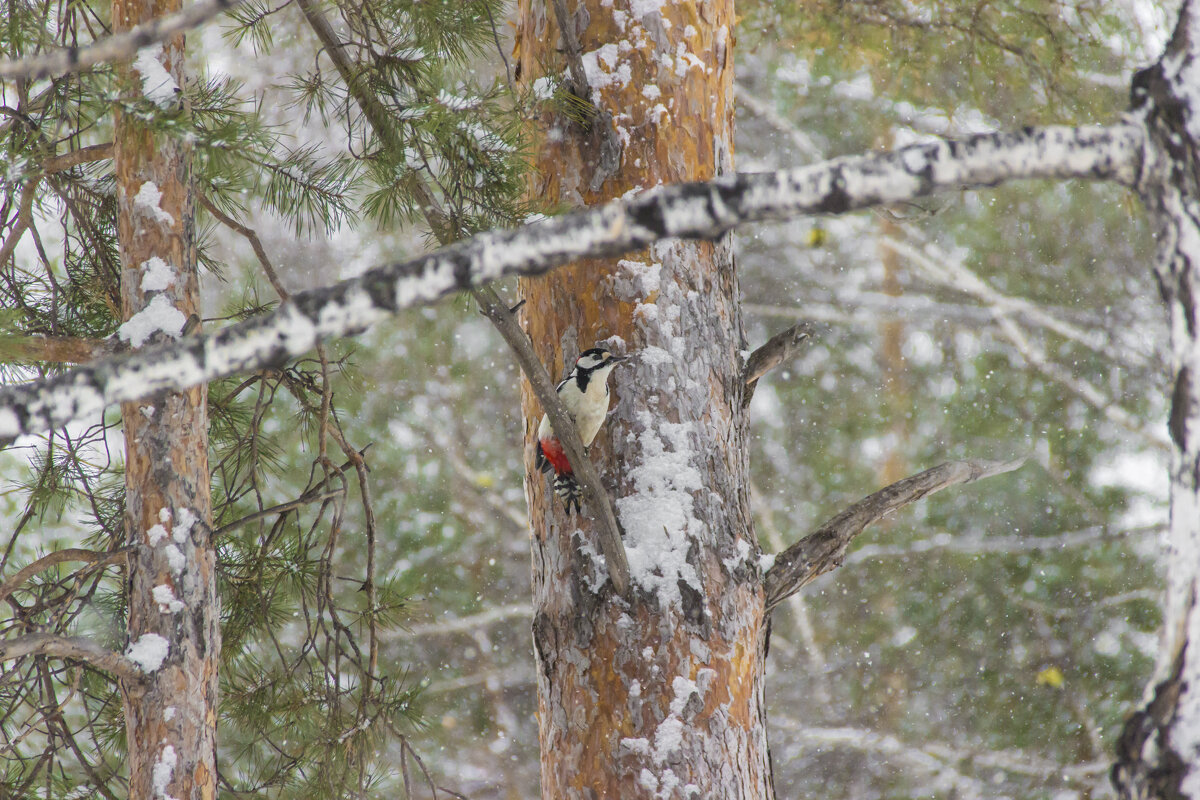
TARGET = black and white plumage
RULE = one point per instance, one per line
(585, 394)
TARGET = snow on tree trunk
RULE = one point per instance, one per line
(170, 717)
(660, 695)
(1159, 749)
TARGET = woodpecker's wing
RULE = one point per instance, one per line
(541, 462)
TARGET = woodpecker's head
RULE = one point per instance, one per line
(597, 360)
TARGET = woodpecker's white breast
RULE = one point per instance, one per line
(588, 408)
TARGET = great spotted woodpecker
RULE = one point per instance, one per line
(585, 394)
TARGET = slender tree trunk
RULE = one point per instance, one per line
(170, 717)
(1158, 753)
(660, 695)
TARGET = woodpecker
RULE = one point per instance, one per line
(585, 394)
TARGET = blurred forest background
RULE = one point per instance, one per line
(985, 643)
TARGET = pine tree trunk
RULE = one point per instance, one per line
(1159, 749)
(171, 717)
(660, 696)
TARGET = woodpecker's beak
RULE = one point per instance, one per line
(617, 359)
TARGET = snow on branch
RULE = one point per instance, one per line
(687, 210)
(824, 550)
(75, 648)
(118, 47)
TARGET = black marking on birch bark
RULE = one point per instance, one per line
(591, 233)
(381, 291)
(648, 215)
(836, 201)
(1137, 774)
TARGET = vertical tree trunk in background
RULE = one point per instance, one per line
(1159, 750)
(660, 696)
(171, 719)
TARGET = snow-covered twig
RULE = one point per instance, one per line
(825, 549)
(118, 47)
(690, 210)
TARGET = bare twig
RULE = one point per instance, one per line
(84, 155)
(57, 557)
(76, 648)
(825, 549)
(282, 508)
(117, 47)
(779, 348)
(607, 530)
(252, 237)
(54, 349)
(467, 624)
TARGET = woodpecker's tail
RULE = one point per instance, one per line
(566, 487)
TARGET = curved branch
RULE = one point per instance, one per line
(57, 557)
(598, 502)
(774, 351)
(118, 47)
(75, 648)
(824, 550)
(689, 210)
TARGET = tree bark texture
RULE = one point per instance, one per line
(660, 695)
(1159, 750)
(170, 716)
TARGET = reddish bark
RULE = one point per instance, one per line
(662, 695)
(170, 716)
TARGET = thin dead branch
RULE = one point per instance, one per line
(779, 348)
(825, 549)
(607, 530)
(84, 155)
(54, 349)
(117, 47)
(75, 648)
(57, 557)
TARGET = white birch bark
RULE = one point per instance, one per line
(1159, 749)
(691, 210)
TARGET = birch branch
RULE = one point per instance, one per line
(607, 530)
(824, 550)
(75, 648)
(689, 210)
(118, 47)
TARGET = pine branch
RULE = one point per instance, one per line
(824, 550)
(75, 648)
(688, 210)
(608, 531)
(118, 47)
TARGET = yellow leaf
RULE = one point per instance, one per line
(1052, 677)
(817, 237)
